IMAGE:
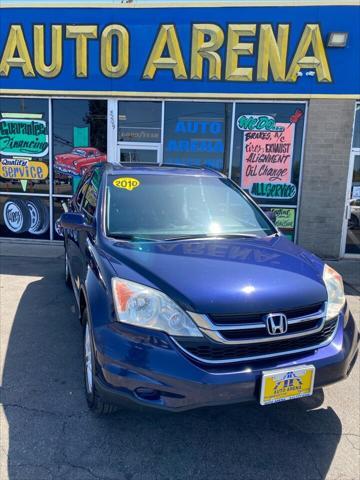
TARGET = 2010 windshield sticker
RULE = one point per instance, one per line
(127, 183)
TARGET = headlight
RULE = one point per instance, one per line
(143, 306)
(335, 290)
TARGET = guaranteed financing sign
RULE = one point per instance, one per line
(255, 50)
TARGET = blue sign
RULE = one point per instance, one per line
(185, 51)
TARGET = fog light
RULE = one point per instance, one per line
(337, 39)
(147, 393)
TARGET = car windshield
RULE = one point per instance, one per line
(177, 206)
(82, 153)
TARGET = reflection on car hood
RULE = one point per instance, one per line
(224, 275)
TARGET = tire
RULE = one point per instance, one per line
(95, 403)
(16, 215)
(67, 276)
(39, 216)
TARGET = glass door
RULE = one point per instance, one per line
(131, 152)
(352, 243)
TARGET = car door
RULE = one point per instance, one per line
(87, 238)
(72, 237)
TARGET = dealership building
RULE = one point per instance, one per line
(267, 92)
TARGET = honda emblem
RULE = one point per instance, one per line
(276, 323)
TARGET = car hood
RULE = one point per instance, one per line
(66, 158)
(224, 275)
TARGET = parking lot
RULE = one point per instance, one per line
(47, 432)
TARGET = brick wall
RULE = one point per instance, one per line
(325, 171)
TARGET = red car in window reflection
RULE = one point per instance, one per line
(78, 160)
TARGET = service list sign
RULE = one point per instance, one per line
(184, 50)
(267, 156)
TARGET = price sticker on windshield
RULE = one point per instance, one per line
(127, 183)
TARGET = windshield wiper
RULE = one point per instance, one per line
(210, 237)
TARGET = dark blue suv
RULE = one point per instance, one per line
(189, 296)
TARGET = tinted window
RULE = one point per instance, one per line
(139, 121)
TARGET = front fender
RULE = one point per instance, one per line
(96, 289)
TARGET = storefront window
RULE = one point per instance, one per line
(139, 121)
(352, 245)
(267, 154)
(356, 135)
(24, 145)
(79, 140)
(197, 133)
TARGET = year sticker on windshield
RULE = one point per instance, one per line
(128, 183)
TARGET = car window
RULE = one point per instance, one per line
(91, 195)
(82, 190)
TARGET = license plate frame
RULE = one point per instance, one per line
(293, 382)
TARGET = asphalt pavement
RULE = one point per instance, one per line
(47, 432)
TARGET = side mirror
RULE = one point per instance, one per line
(75, 221)
(271, 215)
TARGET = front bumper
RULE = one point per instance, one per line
(66, 170)
(150, 369)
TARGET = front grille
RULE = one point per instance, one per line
(236, 319)
(252, 333)
(209, 350)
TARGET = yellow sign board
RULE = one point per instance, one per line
(23, 169)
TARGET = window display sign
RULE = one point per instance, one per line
(284, 217)
(21, 136)
(267, 156)
(79, 140)
(23, 169)
(25, 217)
(267, 150)
(195, 133)
(24, 146)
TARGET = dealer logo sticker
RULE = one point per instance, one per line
(127, 183)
